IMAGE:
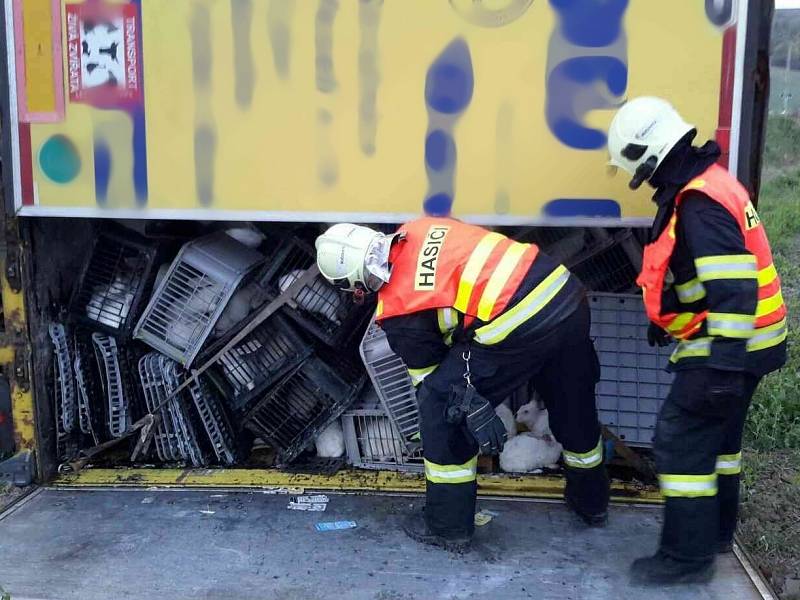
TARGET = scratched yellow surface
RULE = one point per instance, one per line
(39, 55)
(267, 155)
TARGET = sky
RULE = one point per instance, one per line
(787, 3)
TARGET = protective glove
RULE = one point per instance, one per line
(469, 408)
(657, 336)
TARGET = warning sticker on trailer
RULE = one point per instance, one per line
(103, 57)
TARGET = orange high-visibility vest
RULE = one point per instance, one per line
(443, 263)
(719, 185)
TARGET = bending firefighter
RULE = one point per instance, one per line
(709, 282)
(475, 316)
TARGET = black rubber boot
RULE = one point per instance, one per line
(728, 497)
(417, 529)
(587, 493)
(592, 520)
(662, 569)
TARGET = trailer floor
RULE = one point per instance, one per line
(102, 544)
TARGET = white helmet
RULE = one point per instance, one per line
(354, 257)
(641, 135)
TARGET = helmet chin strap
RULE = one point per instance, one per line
(643, 172)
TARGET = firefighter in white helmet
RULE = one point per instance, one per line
(475, 316)
(709, 283)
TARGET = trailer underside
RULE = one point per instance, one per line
(87, 543)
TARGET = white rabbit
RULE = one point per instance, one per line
(525, 453)
(535, 418)
(319, 297)
(330, 441)
(241, 304)
(507, 417)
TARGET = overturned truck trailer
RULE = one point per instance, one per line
(167, 166)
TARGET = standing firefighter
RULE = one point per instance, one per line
(475, 316)
(709, 282)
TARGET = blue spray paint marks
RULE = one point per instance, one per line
(323, 45)
(580, 79)
(449, 85)
(440, 150)
(279, 26)
(586, 68)
(369, 76)
(438, 205)
(102, 170)
(591, 23)
(140, 186)
(583, 207)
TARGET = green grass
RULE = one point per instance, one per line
(783, 142)
(774, 421)
(770, 520)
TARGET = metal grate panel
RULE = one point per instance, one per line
(633, 383)
(389, 376)
(107, 353)
(372, 442)
(214, 421)
(324, 312)
(113, 281)
(303, 403)
(265, 355)
(187, 304)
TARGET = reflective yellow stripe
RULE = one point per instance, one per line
(499, 279)
(448, 321)
(379, 310)
(452, 473)
(767, 275)
(691, 291)
(730, 325)
(680, 321)
(500, 328)
(767, 337)
(693, 348)
(419, 375)
(768, 305)
(729, 464)
(758, 339)
(473, 269)
(729, 266)
(585, 460)
(688, 486)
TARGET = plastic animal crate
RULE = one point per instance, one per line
(326, 313)
(188, 302)
(64, 397)
(606, 265)
(65, 393)
(114, 388)
(392, 383)
(215, 421)
(113, 280)
(174, 436)
(373, 442)
(265, 355)
(633, 382)
(303, 403)
(88, 387)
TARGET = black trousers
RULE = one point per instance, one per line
(564, 368)
(698, 447)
